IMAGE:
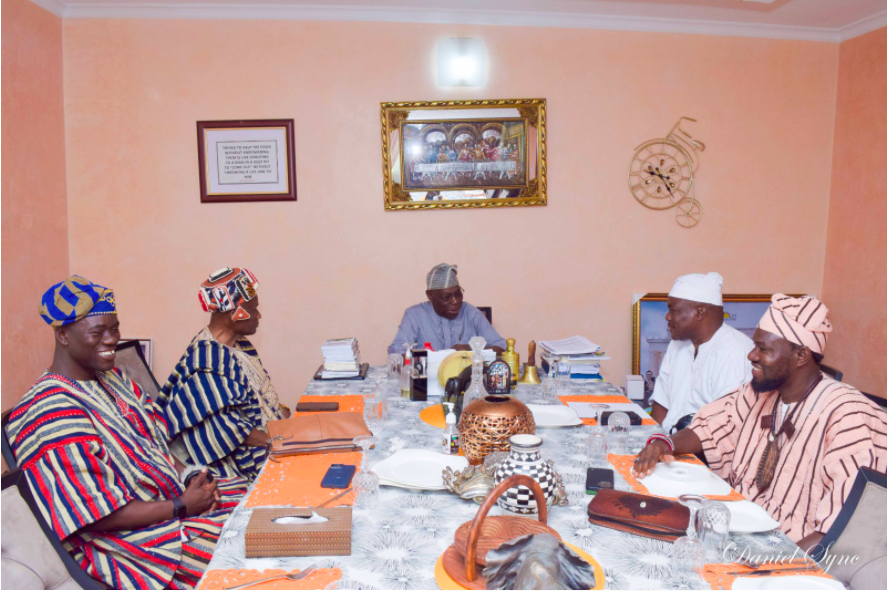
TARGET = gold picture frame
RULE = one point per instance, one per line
(464, 154)
(742, 311)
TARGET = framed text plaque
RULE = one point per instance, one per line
(246, 160)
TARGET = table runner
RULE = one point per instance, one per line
(624, 465)
(613, 399)
(295, 481)
(224, 578)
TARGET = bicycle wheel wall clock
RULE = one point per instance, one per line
(661, 174)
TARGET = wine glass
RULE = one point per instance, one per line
(366, 485)
(599, 408)
(687, 561)
(693, 502)
(713, 527)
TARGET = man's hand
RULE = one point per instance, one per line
(200, 496)
(257, 438)
(648, 458)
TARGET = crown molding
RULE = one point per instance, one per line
(57, 7)
(511, 18)
(865, 25)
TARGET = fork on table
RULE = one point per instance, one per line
(291, 577)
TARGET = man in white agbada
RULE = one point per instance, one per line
(445, 321)
(706, 359)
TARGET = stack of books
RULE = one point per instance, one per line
(581, 353)
(342, 359)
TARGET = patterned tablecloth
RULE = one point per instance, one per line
(397, 544)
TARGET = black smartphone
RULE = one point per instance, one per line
(635, 420)
(317, 406)
(338, 476)
(598, 478)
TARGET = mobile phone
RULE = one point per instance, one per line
(338, 476)
(317, 406)
(598, 478)
(635, 420)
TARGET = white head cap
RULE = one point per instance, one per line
(697, 287)
(442, 276)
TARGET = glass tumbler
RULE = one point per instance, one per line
(563, 377)
(687, 561)
(712, 527)
(394, 363)
(619, 432)
(597, 447)
(374, 410)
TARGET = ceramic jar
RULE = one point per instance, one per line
(524, 458)
(486, 424)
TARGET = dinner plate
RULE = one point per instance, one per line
(418, 468)
(384, 482)
(789, 582)
(554, 415)
(748, 517)
(671, 479)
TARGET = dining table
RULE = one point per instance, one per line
(395, 544)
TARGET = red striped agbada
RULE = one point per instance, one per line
(838, 430)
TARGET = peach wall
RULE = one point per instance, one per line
(335, 263)
(35, 223)
(855, 262)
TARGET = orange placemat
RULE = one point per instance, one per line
(295, 481)
(716, 574)
(348, 402)
(608, 399)
(624, 465)
(225, 578)
(433, 415)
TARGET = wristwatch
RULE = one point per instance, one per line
(179, 509)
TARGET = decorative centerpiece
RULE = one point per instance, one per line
(487, 424)
(524, 458)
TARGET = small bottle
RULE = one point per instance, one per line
(406, 375)
(512, 359)
(450, 439)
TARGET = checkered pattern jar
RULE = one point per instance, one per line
(524, 458)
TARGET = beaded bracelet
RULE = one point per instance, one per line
(661, 437)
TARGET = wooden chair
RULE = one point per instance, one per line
(831, 372)
(486, 310)
(129, 358)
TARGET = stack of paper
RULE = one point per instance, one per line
(342, 358)
(581, 353)
(575, 346)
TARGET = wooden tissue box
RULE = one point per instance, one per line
(266, 538)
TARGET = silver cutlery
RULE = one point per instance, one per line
(291, 577)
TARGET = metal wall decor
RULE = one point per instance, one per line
(458, 154)
(661, 174)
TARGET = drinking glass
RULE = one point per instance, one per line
(687, 561)
(693, 502)
(597, 447)
(563, 377)
(599, 408)
(619, 432)
(394, 362)
(374, 409)
(712, 528)
(366, 485)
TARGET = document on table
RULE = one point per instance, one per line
(576, 345)
(585, 412)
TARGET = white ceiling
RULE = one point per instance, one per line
(815, 20)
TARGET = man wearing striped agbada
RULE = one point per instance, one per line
(792, 439)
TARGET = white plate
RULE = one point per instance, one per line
(681, 478)
(748, 517)
(554, 415)
(790, 583)
(418, 468)
(384, 482)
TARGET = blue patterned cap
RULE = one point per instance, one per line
(75, 298)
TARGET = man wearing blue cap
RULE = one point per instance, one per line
(93, 447)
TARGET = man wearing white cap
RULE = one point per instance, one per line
(706, 358)
(445, 321)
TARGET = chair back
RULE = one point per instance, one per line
(8, 456)
(488, 312)
(129, 358)
(832, 373)
(878, 400)
(33, 555)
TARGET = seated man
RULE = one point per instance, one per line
(219, 397)
(792, 439)
(93, 447)
(706, 358)
(445, 320)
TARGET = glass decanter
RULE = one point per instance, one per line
(476, 389)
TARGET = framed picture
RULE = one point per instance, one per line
(457, 154)
(246, 160)
(147, 350)
(651, 335)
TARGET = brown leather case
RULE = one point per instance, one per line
(317, 433)
(643, 515)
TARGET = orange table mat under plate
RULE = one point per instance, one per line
(445, 581)
(607, 399)
(624, 466)
(295, 481)
(433, 415)
(348, 402)
(225, 578)
(717, 577)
